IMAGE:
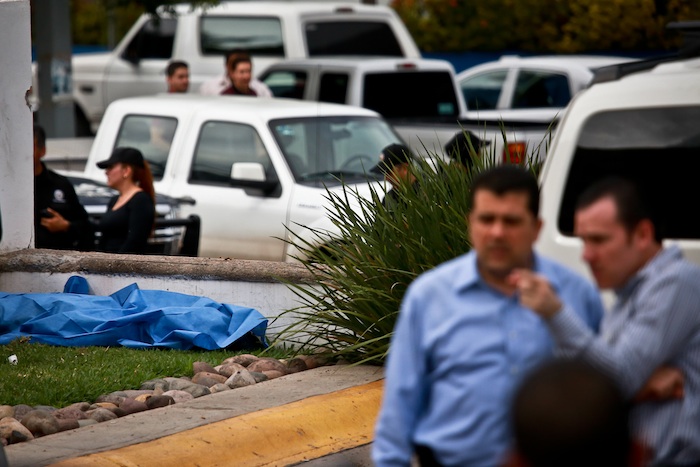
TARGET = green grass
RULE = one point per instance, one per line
(60, 376)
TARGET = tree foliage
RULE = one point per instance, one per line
(555, 26)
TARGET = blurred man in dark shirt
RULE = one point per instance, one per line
(60, 221)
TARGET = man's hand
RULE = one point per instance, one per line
(55, 223)
(665, 383)
(535, 292)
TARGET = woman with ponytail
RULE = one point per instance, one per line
(130, 215)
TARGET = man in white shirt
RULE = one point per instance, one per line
(216, 86)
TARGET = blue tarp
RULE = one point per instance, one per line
(130, 317)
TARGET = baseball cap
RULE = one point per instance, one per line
(123, 155)
(394, 154)
(457, 148)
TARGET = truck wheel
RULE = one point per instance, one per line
(82, 126)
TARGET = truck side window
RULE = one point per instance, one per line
(351, 38)
(334, 88)
(152, 135)
(154, 40)
(283, 83)
(655, 147)
(220, 145)
(482, 92)
(261, 36)
(539, 89)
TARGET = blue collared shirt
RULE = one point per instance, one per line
(655, 321)
(458, 352)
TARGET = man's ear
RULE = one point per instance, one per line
(644, 232)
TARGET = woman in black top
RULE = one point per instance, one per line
(129, 219)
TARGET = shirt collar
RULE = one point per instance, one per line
(659, 261)
(470, 273)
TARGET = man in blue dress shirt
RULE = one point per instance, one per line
(463, 342)
(654, 325)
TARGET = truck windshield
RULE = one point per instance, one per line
(433, 95)
(655, 147)
(326, 150)
(150, 134)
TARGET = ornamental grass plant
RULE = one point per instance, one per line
(360, 277)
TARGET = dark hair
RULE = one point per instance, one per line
(173, 67)
(508, 178)
(631, 207)
(568, 413)
(40, 136)
(234, 53)
(237, 60)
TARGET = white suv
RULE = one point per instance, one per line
(527, 89)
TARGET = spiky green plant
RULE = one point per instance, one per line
(361, 277)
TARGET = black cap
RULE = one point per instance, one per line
(130, 156)
(392, 155)
(457, 148)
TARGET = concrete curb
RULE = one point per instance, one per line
(279, 422)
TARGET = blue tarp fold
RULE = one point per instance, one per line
(130, 317)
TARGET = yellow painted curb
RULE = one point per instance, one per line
(278, 436)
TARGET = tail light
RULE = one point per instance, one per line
(514, 153)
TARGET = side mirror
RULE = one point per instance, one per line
(252, 175)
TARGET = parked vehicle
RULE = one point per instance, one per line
(255, 169)
(528, 89)
(270, 30)
(419, 97)
(169, 236)
(638, 120)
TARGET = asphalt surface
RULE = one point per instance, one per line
(292, 420)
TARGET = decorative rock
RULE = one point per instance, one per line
(131, 405)
(311, 361)
(40, 423)
(155, 384)
(243, 359)
(259, 377)
(134, 393)
(272, 374)
(100, 415)
(13, 431)
(155, 402)
(197, 390)
(266, 364)
(198, 367)
(68, 424)
(45, 408)
(179, 396)
(296, 365)
(21, 410)
(220, 387)
(208, 379)
(6, 411)
(115, 398)
(229, 369)
(180, 384)
(143, 397)
(240, 379)
(70, 413)
(83, 406)
(104, 405)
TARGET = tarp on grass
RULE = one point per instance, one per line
(130, 317)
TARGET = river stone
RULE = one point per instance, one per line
(115, 398)
(243, 359)
(100, 414)
(208, 379)
(103, 405)
(13, 431)
(272, 374)
(70, 413)
(155, 402)
(240, 379)
(198, 367)
(6, 411)
(296, 365)
(259, 377)
(154, 384)
(131, 405)
(228, 369)
(220, 387)
(143, 397)
(134, 393)
(180, 384)
(21, 410)
(68, 424)
(40, 423)
(266, 364)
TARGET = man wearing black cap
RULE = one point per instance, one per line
(463, 147)
(395, 163)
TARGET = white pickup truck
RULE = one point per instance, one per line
(419, 97)
(255, 168)
(270, 30)
(641, 124)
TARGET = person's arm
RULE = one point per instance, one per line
(141, 216)
(653, 334)
(405, 389)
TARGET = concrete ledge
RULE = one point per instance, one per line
(226, 269)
